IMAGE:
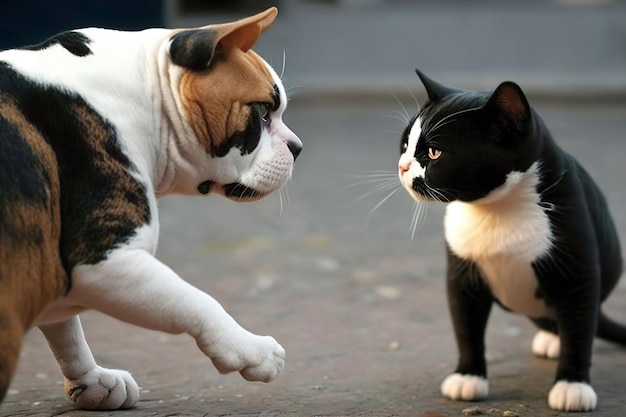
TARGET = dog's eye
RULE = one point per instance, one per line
(264, 112)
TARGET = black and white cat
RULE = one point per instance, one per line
(525, 226)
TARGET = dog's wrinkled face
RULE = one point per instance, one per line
(234, 101)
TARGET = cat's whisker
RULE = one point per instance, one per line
(380, 181)
(376, 189)
(380, 171)
(371, 173)
(406, 113)
(381, 202)
(399, 116)
(373, 176)
(448, 117)
(436, 194)
(413, 226)
(419, 106)
(421, 216)
(439, 125)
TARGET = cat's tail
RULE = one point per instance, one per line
(610, 330)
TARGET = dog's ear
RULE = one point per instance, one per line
(196, 48)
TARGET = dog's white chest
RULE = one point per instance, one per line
(504, 236)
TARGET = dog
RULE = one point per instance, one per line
(95, 126)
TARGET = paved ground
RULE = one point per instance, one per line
(358, 305)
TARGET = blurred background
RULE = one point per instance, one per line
(341, 266)
(567, 46)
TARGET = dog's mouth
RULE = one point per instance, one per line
(240, 192)
(235, 191)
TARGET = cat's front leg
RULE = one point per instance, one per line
(90, 386)
(470, 303)
(133, 286)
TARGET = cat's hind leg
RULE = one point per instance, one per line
(88, 385)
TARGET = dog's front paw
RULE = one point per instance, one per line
(546, 345)
(465, 387)
(572, 396)
(257, 358)
(103, 389)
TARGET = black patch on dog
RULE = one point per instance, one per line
(15, 155)
(276, 98)
(239, 190)
(30, 186)
(205, 187)
(245, 140)
(76, 43)
(101, 204)
(193, 49)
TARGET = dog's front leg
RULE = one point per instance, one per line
(133, 286)
(87, 384)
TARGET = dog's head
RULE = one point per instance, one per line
(231, 102)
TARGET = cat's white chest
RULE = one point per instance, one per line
(504, 234)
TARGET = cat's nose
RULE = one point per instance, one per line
(403, 166)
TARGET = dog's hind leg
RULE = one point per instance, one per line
(90, 386)
(11, 335)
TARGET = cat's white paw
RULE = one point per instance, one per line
(546, 345)
(257, 358)
(103, 389)
(572, 396)
(465, 387)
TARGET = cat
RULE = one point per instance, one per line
(525, 227)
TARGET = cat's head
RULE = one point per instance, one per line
(463, 145)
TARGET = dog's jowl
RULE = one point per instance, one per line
(95, 125)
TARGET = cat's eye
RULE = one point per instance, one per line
(404, 147)
(434, 153)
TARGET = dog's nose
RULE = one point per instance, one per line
(295, 148)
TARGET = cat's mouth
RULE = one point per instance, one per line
(420, 191)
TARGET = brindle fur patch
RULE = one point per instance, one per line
(123, 206)
(31, 274)
(102, 204)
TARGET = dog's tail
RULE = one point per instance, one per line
(610, 330)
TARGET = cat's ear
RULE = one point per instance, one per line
(196, 48)
(435, 90)
(510, 104)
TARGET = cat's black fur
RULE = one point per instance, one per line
(483, 138)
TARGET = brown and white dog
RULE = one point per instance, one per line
(95, 125)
